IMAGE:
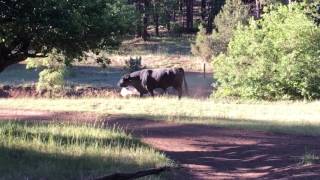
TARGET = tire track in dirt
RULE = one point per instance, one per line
(208, 152)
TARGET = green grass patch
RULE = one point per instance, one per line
(65, 151)
(286, 117)
(310, 158)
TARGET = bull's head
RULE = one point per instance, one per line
(125, 81)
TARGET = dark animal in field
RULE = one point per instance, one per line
(146, 80)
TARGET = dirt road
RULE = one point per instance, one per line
(209, 152)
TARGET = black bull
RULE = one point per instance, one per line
(146, 80)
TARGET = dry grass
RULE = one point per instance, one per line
(288, 117)
(188, 62)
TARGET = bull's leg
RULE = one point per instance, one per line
(141, 94)
(151, 93)
(164, 91)
(179, 89)
(150, 90)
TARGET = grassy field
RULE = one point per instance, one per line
(65, 151)
(158, 52)
(287, 117)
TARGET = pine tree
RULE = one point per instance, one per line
(232, 13)
(207, 46)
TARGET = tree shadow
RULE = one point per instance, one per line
(229, 153)
(275, 127)
(22, 161)
(239, 151)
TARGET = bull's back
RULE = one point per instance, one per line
(167, 77)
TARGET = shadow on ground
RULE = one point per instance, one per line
(209, 152)
(217, 153)
(20, 160)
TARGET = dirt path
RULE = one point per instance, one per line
(209, 152)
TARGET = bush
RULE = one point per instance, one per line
(276, 57)
(53, 70)
(203, 45)
(134, 64)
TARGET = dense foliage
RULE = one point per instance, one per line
(30, 27)
(208, 46)
(53, 70)
(276, 57)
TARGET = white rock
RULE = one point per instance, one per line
(129, 91)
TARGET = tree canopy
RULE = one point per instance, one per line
(31, 28)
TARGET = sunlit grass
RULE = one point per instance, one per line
(310, 158)
(292, 117)
(64, 151)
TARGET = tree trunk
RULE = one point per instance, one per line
(181, 5)
(215, 7)
(210, 16)
(189, 15)
(156, 20)
(145, 35)
(16, 52)
(6, 59)
(257, 9)
(168, 19)
(139, 8)
(203, 10)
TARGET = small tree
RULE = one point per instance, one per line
(276, 57)
(208, 46)
(53, 70)
(202, 46)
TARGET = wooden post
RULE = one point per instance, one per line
(204, 70)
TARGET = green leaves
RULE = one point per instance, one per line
(208, 46)
(276, 57)
(53, 70)
(71, 26)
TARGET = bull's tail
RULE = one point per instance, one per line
(184, 81)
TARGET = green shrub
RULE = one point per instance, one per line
(203, 45)
(208, 46)
(277, 57)
(53, 70)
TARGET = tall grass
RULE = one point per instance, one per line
(288, 117)
(310, 158)
(64, 151)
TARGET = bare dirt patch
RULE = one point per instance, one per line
(208, 152)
